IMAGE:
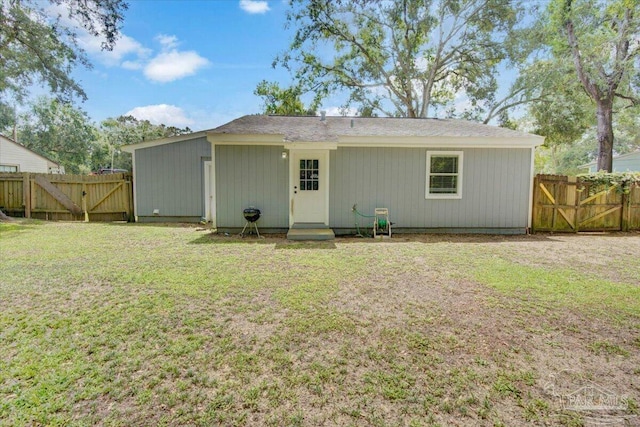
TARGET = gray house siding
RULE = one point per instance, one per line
(170, 178)
(495, 192)
(251, 175)
(627, 163)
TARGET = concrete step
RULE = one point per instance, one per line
(316, 225)
(310, 234)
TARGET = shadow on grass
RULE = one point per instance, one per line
(19, 224)
(212, 238)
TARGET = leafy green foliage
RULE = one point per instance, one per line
(599, 38)
(125, 130)
(400, 58)
(65, 134)
(622, 181)
(38, 47)
(60, 132)
(284, 102)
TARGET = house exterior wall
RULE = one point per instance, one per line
(12, 154)
(495, 192)
(251, 175)
(170, 178)
(627, 163)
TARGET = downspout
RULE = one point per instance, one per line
(531, 176)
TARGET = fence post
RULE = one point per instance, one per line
(84, 202)
(26, 194)
(626, 211)
(534, 203)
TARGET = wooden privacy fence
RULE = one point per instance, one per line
(565, 204)
(67, 197)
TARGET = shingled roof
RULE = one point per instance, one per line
(331, 129)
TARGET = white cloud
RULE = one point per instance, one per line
(167, 42)
(132, 65)
(339, 111)
(174, 65)
(124, 47)
(169, 115)
(254, 6)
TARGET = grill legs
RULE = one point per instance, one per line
(251, 225)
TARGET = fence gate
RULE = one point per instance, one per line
(565, 204)
(67, 197)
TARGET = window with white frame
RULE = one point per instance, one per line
(444, 175)
(9, 168)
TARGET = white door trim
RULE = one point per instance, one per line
(293, 180)
(212, 188)
(207, 190)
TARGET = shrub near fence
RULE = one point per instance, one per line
(598, 202)
(67, 197)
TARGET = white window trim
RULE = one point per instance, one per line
(457, 195)
(12, 166)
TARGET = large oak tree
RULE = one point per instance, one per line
(404, 57)
(601, 41)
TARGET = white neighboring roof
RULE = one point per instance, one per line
(13, 153)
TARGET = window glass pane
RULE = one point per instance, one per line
(443, 184)
(315, 185)
(309, 164)
(444, 164)
(302, 185)
(302, 163)
(315, 164)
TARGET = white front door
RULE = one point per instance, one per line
(309, 186)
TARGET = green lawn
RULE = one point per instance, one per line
(121, 324)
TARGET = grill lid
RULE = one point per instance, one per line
(251, 214)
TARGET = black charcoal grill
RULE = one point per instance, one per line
(251, 215)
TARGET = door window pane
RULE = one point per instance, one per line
(309, 175)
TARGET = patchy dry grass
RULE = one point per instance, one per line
(153, 325)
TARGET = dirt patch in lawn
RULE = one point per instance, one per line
(139, 325)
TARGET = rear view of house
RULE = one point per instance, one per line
(432, 175)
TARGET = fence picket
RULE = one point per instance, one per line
(96, 197)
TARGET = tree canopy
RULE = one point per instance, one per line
(400, 58)
(38, 42)
(60, 132)
(285, 102)
(600, 42)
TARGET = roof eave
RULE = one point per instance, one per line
(529, 141)
(156, 142)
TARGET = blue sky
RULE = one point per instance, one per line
(187, 63)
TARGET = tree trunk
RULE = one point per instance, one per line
(4, 217)
(605, 134)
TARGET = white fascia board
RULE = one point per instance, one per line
(245, 139)
(378, 141)
(311, 146)
(441, 141)
(146, 144)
